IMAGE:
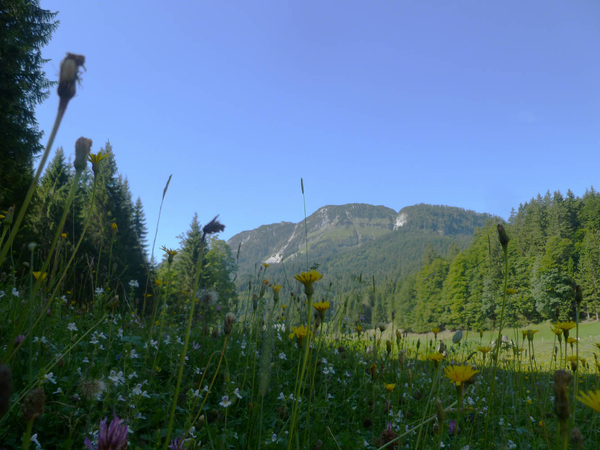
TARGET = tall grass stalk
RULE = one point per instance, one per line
(64, 273)
(498, 347)
(162, 200)
(62, 108)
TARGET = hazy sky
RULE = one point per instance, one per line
(466, 103)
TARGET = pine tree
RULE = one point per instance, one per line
(140, 228)
(50, 200)
(24, 29)
(187, 259)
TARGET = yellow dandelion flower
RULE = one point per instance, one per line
(557, 331)
(485, 349)
(359, 328)
(591, 399)
(572, 358)
(300, 332)
(530, 334)
(435, 331)
(389, 387)
(571, 340)
(266, 265)
(322, 307)
(276, 288)
(170, 253)
(524, 333)
(95, 159)
(566, 326)
(39, 275)
(437, 356)
(63, 235)
(158, 282)
(307, 279)
(459, 374)
(510, 291)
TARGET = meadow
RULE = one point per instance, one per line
(163, 367)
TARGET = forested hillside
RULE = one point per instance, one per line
(555, 244)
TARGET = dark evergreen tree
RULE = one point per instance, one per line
(140, 228)
(24, 29)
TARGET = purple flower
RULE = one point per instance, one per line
(196, 345)
(118, 356)
(20, 338)
(453, 427)
(218, 308)
(177, 444)
(112, 438)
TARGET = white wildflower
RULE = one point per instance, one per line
(50, 377)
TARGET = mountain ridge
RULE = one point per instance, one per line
(335, 229)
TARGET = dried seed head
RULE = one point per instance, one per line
(69, 75)
(5, 389)
(32, 405)
(82, 151)
(577, 438)
(561, 402)
(229, 321)
(91, 388)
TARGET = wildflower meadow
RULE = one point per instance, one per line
(183, 358)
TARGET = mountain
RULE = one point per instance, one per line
(357, 238)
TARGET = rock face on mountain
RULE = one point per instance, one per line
(333, 230)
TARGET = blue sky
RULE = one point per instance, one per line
(474, 104)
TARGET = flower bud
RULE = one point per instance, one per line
(502, 236)
(441, 414)
(578, 295)
(562, 409)
(8, 219)
(457, 337)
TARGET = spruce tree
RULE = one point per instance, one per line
(24, 29)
